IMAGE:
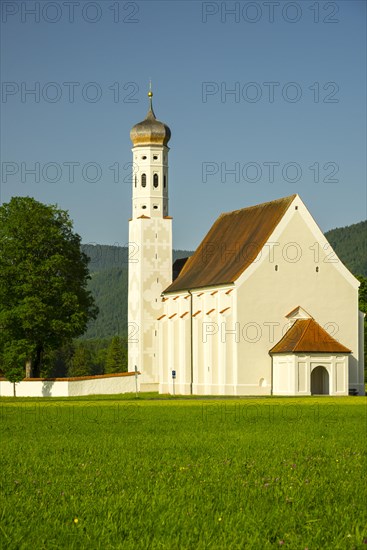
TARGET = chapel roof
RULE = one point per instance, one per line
(231, 245)
(307, 336)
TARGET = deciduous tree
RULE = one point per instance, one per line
(44, 301)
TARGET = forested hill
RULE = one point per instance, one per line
(103, 256)
(109, 283)
(350, 245)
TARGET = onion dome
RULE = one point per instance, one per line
(150, 131)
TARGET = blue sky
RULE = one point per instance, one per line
(295, 121)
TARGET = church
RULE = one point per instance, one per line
(263, 306)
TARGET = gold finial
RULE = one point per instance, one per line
(150, 93)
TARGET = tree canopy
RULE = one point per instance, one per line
(44, 300)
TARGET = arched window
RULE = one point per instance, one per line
(164, 181)
(155, 180)
(143, 180)
(135, 179)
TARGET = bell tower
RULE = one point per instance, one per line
(150, 166)
(150, 245)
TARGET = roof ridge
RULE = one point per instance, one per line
(309, 340)
(261, 204)
(307, 324)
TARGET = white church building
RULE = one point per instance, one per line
(263, 306)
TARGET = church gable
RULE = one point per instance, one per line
(231, 246)
(296, 240)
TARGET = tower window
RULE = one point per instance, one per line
(143, 180)
(155, 207)
(276, 268)
(155, 180)
(155, 157)
(135, 179)
(144, 206)
(144, 157)
(164, 181)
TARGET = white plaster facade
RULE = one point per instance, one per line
(292, 374)
(233, 327)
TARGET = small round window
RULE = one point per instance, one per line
(144, 157)
(155, 157)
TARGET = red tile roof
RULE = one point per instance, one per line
(231, 245)
(307, 336)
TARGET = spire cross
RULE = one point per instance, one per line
(150, 95)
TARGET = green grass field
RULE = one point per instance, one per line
(116, 472)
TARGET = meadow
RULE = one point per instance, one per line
(118, 472)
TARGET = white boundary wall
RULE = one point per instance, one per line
(67, 387)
